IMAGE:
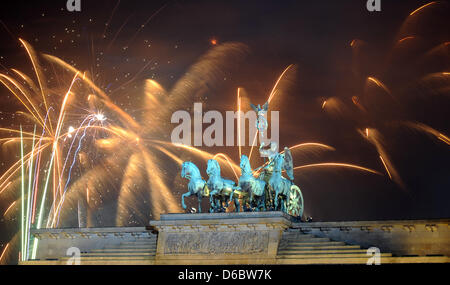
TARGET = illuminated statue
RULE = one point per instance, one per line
(269, 191)
(281, 188)
(261, 121)
(221, 189)
(196, 186)
(253, 187)
(278, 184)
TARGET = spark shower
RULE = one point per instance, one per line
(88, 104)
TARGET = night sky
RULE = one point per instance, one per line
(334, 45)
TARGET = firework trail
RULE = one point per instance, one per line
(137, 165)
(125, 161)
(385, 106)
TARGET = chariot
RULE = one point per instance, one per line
(262, 189)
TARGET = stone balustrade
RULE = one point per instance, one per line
(247, 238)
(54, 243)
(401, 238)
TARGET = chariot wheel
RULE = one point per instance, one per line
(295, 205)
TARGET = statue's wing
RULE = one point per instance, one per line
(288, 163)
(266, 106)
(254, 107)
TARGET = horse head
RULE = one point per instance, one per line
(278, 163)
(213, 168)
(189, 170)
(245, 165)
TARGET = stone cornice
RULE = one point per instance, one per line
(222, 222)
(370, 226)
(89, 233)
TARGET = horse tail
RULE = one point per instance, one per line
(205, 189)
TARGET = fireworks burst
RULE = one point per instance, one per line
(383, 107)
(86, 160)
(62, 165)
(61, 171)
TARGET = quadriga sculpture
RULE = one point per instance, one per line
(270, 191)
(196, 186)
(285, 190)
(221, 189)
(253, 187)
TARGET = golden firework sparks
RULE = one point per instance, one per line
(422, 7)
(385, 166)
(337, 164)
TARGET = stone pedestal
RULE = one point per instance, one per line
(220, 238)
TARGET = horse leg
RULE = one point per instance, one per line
(230, 198)
(254, 202)
(212, 202)
(182, 199)
(276, 199)
(254, 205)
(245, 205)
(271, 201)
(248, 203)
(199, 202)
(257, 205)
(285, 197)
(224, 208)
(212, 207)
(222, 200)
(217, 204)
(263, 201)
(237, 205)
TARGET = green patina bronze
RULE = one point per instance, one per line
(262, 189)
